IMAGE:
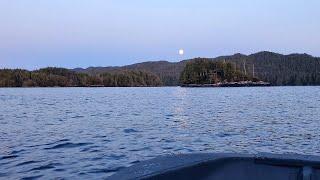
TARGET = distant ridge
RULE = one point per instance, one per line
(278, 69)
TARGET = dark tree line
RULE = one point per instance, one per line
(204, 71)
(278, 69)
(293, 69)
(60, 77)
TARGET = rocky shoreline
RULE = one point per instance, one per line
(230, 84)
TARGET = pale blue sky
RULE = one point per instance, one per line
(82, 33)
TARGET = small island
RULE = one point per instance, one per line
(206, 73)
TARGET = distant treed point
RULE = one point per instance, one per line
(60, 77)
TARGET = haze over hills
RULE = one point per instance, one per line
(278, 69)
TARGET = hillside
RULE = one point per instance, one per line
(278, 69)
(168, 72)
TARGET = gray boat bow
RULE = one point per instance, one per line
(226, 167)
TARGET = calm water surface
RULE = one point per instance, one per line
(93, 132)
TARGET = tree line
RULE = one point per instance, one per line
(277, 69)
(61, 77)
(204, 71)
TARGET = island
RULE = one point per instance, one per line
(206, 73)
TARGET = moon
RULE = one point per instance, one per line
(181, 52)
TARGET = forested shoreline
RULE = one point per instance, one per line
(276, 69)
(61, 77)
(203, 71)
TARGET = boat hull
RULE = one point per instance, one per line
(226, 167)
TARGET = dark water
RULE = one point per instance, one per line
(93, 132)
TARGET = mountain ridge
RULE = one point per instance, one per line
(276, 68)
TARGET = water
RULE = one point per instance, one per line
(93, 132)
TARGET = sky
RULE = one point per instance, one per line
(83, 33)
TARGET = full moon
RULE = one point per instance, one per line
(181, 51)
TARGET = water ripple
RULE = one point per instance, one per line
(68, 145)
(130, 131)
(27, 162)
(90, 133)
(105, 170)
(31, 177)
(9, 157)
(45, 167)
